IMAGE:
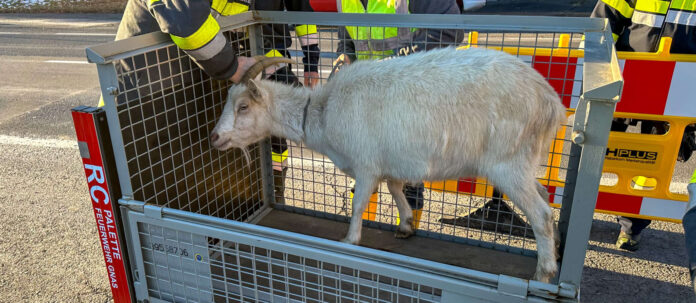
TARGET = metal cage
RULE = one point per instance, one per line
(207, 226)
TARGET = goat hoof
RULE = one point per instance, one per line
(349, 241)
(545, 274)
(542, 277)
(404, 231)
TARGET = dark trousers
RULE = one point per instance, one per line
(414, 195)
(632, 226)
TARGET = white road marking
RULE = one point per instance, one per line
(66, 62)
(37, 142)
(85, 34)
(58, 34)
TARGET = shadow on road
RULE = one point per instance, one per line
(601, 285)
(656, 245)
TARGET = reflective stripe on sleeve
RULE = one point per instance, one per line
(209, 50)
(652, 6)
(201, 37)
(621, 6)
(648, 19)
(681, 17)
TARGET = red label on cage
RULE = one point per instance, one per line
(102, 205)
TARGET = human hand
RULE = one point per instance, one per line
(342, 59)
(311, 79)
(243, 64)
(338, 63)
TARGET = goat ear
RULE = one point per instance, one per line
(254, 90)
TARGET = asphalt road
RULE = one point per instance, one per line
(48, 240)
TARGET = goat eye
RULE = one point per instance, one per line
(242, 108)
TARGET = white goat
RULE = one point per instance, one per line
(436, 115)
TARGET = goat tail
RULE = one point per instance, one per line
(550, 118)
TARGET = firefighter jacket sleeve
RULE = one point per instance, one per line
(194, 30)
(618, 12)
(426, 39)
(277, 37)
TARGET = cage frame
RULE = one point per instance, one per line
(602, 83)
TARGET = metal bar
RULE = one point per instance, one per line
(568, 195)
(596, 125)
(602, 79)
(472, 22)
(140, 281)
(107, 52)
(108, 82)
(116, 50)
(256, 42)
(334, 246)
(601, 89)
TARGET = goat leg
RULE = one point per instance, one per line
(406, 224)
(364, 187)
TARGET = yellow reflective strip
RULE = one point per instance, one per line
(621, 6)
(276, 157)
(234, 9)
(693, 177)
(218, 5)
(201, 37)
(274, 54)
(101, 101)
(303, 30)
(685, 5)
(653, 6)
(615, 36)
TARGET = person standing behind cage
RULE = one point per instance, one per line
(639, 26)
(193, 27)
(364, 43)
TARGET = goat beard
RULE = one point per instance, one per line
(247, 156)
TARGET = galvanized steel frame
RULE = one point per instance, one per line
(601, 89)
(458, 284)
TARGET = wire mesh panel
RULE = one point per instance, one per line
(181, 266)
(176, 264)
(167, 107)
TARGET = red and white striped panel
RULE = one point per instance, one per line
(658, 208)
(658, 88)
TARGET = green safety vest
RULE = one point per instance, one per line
(376, 42)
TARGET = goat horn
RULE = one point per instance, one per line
(260, 65)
